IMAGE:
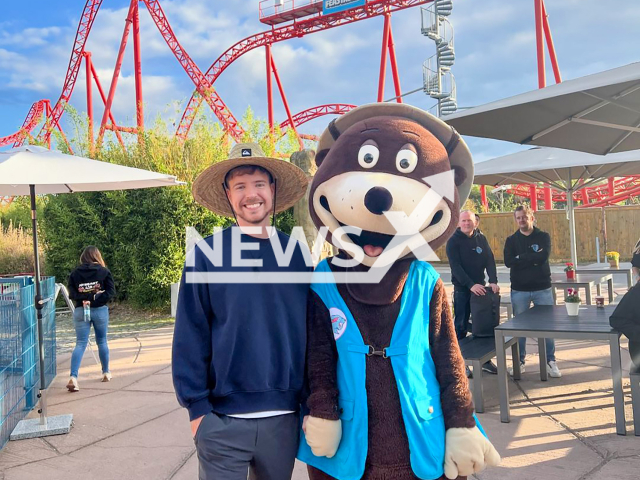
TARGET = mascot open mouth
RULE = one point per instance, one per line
(374, 243)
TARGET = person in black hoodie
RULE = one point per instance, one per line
(526, 254)
(90, 284)
(469, 257)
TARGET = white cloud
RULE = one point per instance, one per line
(29, 37)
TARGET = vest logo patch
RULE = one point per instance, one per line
(338, 322)
(535, 247)
(478, 250)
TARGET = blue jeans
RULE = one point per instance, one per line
(100, 321)
(521, 302)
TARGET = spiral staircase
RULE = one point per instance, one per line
(439, 82)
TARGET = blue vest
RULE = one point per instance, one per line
(415, 377)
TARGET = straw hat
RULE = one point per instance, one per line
(208, 189)
(459, 154)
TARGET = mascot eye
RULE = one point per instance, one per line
(368, 156)
(406, 160)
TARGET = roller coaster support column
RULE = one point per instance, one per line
(550, 47)
(104, 102)
(88, 64)
(533, 194)
(542, 28)
(116, 70)
(47, 116)
(483, 198)
(138, 69)
(383, 55)
(585, 196)
(267, 49)
(611, 189)
(394, 65)
(286, 104)
(540, 44)
(548, 200)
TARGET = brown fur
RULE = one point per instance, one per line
(388, 449)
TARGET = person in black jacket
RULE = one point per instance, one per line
(469, 257)
(635, 262)
(90, 284)
(526, 254)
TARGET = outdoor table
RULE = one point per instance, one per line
(581, 280)
(546, 321)
(622, 271)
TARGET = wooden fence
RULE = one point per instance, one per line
(618, 226)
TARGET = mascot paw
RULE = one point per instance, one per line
(467, 451)
(323, 436)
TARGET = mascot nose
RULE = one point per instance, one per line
(378, 200)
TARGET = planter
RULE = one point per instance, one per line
(571, 274)
(572, 309)
(614, 263)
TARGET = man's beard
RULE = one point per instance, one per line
(255, 221)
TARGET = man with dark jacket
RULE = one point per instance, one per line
(526, 254)
(469, 257)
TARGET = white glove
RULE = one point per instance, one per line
(323, 436)
(467, 451)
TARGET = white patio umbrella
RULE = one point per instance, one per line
(566, 170)
(597, 113)
(31, 170)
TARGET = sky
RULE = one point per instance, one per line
(494, 45)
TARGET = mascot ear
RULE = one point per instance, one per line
(460, 174)
(320, 156)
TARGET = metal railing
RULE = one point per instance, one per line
(19, 362)
(269, 8)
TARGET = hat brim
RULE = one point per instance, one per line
(459, 157)
(291, 183)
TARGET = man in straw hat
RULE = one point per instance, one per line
(239, 346)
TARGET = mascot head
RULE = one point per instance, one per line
(389, 161)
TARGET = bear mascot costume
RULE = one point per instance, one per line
(388, 395)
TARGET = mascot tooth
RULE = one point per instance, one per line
(388, 394)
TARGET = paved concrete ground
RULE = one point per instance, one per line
(133, 427)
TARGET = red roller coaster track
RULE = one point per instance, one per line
(614, 191)
(315, 112)
(297, 29)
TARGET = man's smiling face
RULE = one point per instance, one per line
(251, 197)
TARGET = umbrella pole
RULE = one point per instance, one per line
(42, 427)
(572, 220)
(39, 305)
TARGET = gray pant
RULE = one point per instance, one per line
(230, 447)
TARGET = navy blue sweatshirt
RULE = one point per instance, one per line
(240, 347)
(469, 257)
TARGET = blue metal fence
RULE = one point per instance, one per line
(19, 363)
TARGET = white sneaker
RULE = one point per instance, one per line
(106, 377)
(72, 386)
(553, 370)
(510, 369)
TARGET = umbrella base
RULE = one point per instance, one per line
(31, 428)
